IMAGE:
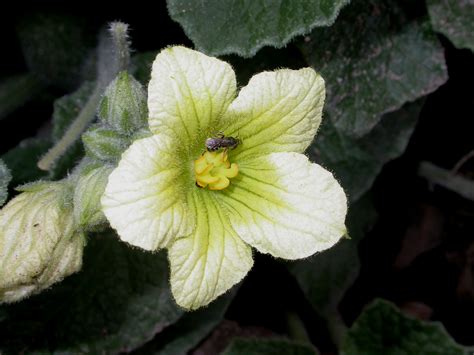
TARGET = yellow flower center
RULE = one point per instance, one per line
(213, 170)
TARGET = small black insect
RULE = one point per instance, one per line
(221, 141)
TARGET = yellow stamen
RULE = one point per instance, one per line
(213, 170)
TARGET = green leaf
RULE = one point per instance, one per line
(5, 178)
(140, 66)
(383, 329)
(454, 19)
(243, 27)
(357, 162)
(325, 277)
(374, 61)
(55, 47)
(267, 59)
(190, 330)
(267, 347)
(16, 91)
(118, 302)
(23, 158)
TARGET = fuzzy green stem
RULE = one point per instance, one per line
(86, 115)
(337, 328)
(443, 177)
(296, 328)
(119, 32)
(113, 57)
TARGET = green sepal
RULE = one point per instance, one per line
(88, 191)
(104, 143)
(5, 178)
(124, 104)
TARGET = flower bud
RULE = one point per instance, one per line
(124, 105)
(38, 242)
(89, 189)
(104, 144)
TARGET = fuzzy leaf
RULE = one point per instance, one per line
(189, 330)
(119, 301)
(374, 61)
(55, 47)
(22, 160)
(454, 19)
(324, 278)
(5, 178)
(267, 59)
(383, 329)
(357, 162)
(268, 347)
(243, 27)
(16, 91)
(140, 66)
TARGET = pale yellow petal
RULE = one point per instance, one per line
(188, 94)
(211, 260)
(286, 206)
(144, 199)
(277, 111)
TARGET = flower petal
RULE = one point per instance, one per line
(188, 93)
(284, 205)
(144, 199)
(277, 111)
(211, 260)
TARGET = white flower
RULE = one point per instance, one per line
(209, 208)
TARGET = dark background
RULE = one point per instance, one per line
(435, 223)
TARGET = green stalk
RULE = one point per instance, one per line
(337, 328)
(113, 56)
(86, 115)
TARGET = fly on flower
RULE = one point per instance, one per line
(221, 142)
(266, 194)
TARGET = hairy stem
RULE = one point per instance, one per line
(119, 31)
(113, 57)
(439, 176)
(86, 115)
(337, 328)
